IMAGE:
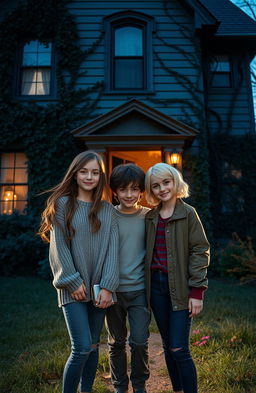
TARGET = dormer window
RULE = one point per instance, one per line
(129, 52)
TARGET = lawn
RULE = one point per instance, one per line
(35, 344)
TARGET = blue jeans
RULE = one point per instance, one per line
(133, 305)
(174, 328)
(84, 323)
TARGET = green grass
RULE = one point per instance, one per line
(35, 343)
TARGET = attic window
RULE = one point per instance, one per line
(220, 71)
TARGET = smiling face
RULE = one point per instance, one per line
(163, 188)
(87, 179)
(128, 196)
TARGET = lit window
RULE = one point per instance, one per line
(36, 67)
(13, 183)
(220, 71)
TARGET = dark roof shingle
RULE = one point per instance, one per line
(233, 21)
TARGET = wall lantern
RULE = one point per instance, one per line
(175, 159)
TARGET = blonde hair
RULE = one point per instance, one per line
(162, 171)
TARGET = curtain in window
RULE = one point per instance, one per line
(36, 81)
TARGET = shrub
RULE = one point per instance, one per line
(238, 260)
(20, 248)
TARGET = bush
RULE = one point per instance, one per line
(20, 248)
(238, 260)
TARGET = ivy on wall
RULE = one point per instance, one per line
(193, 114)
(233, 177)
(42, 130)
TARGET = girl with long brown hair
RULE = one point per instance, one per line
(82, 230)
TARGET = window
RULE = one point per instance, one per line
(220, 71)
(128, 58)
(128, 47)
(36, 69)
(13, 183)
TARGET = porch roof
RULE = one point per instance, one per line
(134, 120)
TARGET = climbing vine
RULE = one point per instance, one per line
(192, 109)
(42, 130)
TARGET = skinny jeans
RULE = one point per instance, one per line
(174, 328)
(84, 323)
(133, 305)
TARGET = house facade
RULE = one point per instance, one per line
(138, 81)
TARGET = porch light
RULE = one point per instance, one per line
(175, 159)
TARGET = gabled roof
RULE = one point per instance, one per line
(203, 16)
(232, 20)
(136, 119)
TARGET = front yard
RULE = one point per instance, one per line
(35, 344)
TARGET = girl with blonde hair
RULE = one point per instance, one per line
(177, 257)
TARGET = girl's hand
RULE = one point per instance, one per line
(104, 299)
(79, 294)
(195, 306)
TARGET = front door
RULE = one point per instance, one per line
(143, 158)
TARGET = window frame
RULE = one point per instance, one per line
(19, 69)
(231, 73)
(126, 19)
(228, 73)
(13, 184)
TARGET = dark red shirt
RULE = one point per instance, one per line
(159, 261)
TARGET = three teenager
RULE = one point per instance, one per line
(91, 242)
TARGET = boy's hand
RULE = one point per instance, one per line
(104, 299)
(195, 306)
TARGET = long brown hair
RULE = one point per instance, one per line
(68, 187)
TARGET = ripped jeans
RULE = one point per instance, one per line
(134, 306)
(174, 327)
(84, 323)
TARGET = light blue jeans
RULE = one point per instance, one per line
(84, 323)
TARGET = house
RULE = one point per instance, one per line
(138, 81)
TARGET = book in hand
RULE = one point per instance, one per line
(95, 293)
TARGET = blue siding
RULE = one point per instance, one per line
(89, 17)
(174, 54)
(235, 108)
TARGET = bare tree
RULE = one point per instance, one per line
(249, 6)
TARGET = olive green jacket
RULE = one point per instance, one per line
(188, 252)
